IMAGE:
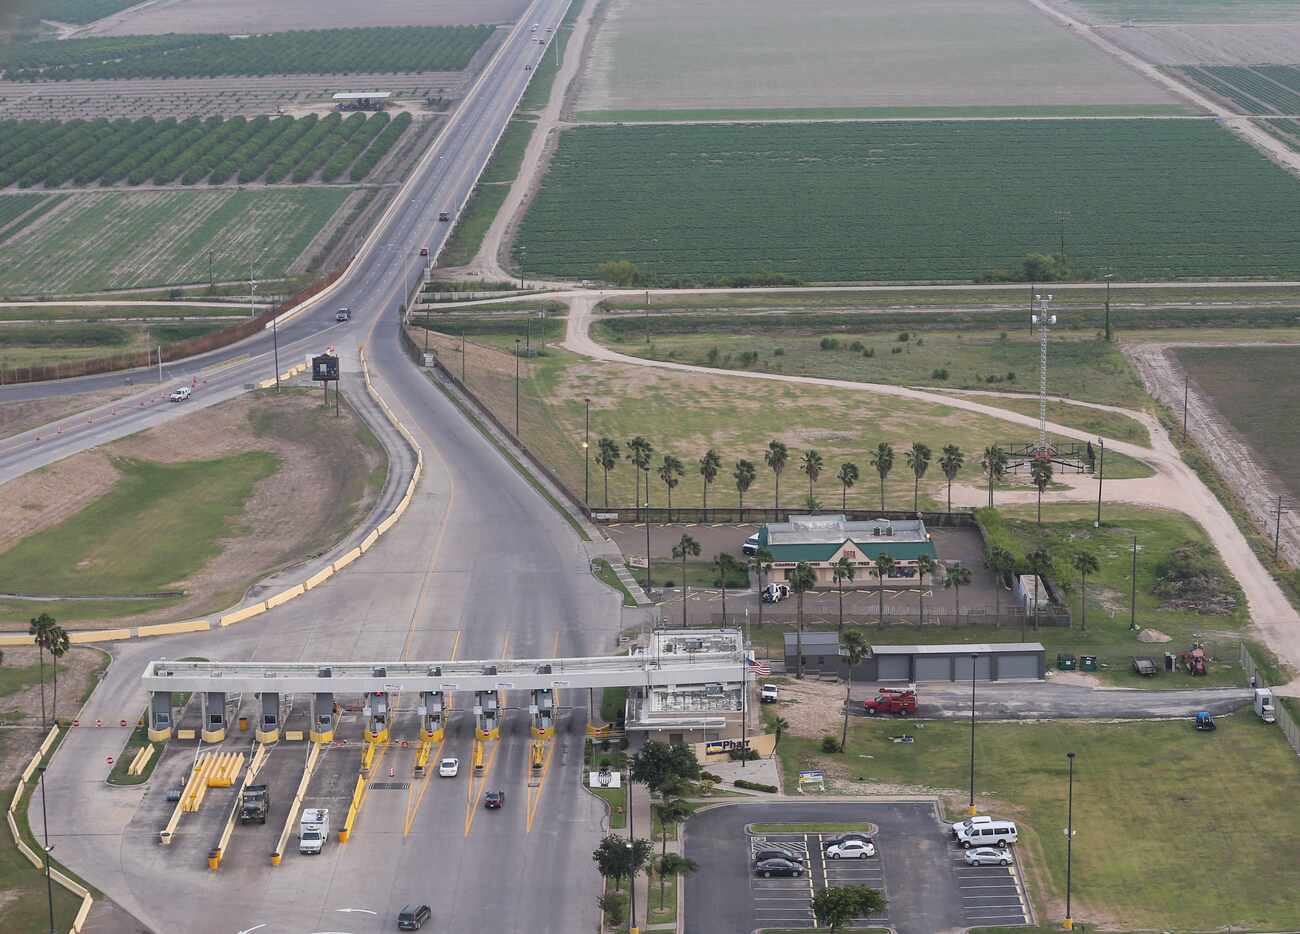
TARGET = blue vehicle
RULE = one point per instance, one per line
(1204, 721)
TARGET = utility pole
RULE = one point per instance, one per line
(1043, 320)
(1101, 475)
(1109, 276)
(160, 363)
(45, 821)
(516, 388)
(1069, 845)
(211, 281)
(275, 343)
(1133, 593)
(462, 357)
(586, 459)
(971, 807)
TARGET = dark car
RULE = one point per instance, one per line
(494, 799)
(773, 853)
(413, 917)
(778, 867)
(845, 837)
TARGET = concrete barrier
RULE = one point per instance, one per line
(98, 635)
(285, 596)
(17, 639)
(247, 612)
(347, 559)
(319, 578)
(171, 629)
(387, 524)
(369, 541)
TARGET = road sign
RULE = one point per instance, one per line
(635, 561)
(604, 515)
(392, 689)
(446, 687)
(505, 685)
(605, 779)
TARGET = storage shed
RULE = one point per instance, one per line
(995, 661)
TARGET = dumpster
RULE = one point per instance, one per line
(1065, 662)
(1088, 662)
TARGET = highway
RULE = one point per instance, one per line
(479, 567)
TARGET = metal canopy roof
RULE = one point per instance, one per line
(363, 95)
(973, 648)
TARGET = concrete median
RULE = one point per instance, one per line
(172, 629)
(240, 615)
(347, 559)
(98, 635)
(285, 596)
(369, 541)
(319, 578)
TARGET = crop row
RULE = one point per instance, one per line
(911, 201)
(84, 152)
(318, 51)
(1255, 89)
(75, 11)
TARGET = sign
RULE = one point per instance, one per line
(604, 779)
(505, 685)
(446, 687)
(718, 747)
(392, 689)
(635, 561)
(325, 368)
(812, 777)
(604, 515)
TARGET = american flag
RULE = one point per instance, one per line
(758, 668)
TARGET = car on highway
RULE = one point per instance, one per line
(771, 852)
(413, 917)
(449, 768)
(845, 838)
(987, 856)
(444, 216)
(851, 849)
(343, 314)
(181, 394)
(424, 251)
(778, 867)
(494, 800)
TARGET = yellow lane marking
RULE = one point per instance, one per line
(413, 809)
(505, 647)
(535, 794)
(555, 646)
(473, 794)
(455, 645)
(374, 767)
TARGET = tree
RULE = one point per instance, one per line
(779, 726)
(671, 811)
(776, 457)
(954, 576)
(1039, 563)
(617, 858)
(762, 561)
(951, 463)
(836, 906)
(608, 454)
(842, 571)
(1001, 562)
(42, 628)
(621, 272)
(724, 564)
(685, 547)
(847, 476)
(658, 765)
(918, 459)
(924, 565)
(882, 458)
(811, 463)
(884, 564)
(802, 579)
(672, 864)
(1085, 563)
(994, 463)
(710, 464)
(670, 472)
(854, 645)
(57, 646)
(1041, 473)
(639, 451)
(744, 475)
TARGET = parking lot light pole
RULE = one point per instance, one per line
(49, 885)
(1068, 924)
(586, 459)
(971, 806)
(647, 553)
(1133, 591)
(1101, 475)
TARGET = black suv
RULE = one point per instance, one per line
(769, 852)
(413, 917)
(778, 867)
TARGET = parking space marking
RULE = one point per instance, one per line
(989, 894)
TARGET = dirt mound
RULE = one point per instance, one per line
(1152, 635)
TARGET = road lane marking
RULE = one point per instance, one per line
(471, 800)
(413, 809)
(535, 794)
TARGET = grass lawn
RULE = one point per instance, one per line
(605, 574)
(158, 524)
(700, 574)
(114, 312)
(613, 701)
(768, 114)
(1110, 425)
(138, 738)
(662, 892)
(617, 798)
(1139, 783)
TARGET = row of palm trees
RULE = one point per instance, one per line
(640, 453)
(50, 637)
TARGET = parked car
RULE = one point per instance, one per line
(449, 768)
(851, 849)
(981, 833)
(987, 856)
(181, 394)
(778, 867)
(750, 547)
(844, 838)
(413, 917)
(771, 852)
(1144, 665)
(775, 593)
(494, 800)
(767, 694)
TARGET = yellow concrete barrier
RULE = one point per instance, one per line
(293, 736)
(17, 639)
(369, 541)
(247, 612)
(387, 524)
(141, 760)
(185, 734)
(172, 629)
(319, 578)
(285, 596)
(98, 635)
(347, 559)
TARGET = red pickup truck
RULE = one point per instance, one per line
(902, 703)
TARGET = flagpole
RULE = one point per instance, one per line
(744, 703)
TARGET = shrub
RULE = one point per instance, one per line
(830, 744)
(741, 755)
(748, 358)
(940, 373)
(754, 786)
(904, 337)
(614, 904)
(895, 349)
(712, 356)
(856, 346)
(1011, 376)
(779, 352)
(868, 351)
(830, 343)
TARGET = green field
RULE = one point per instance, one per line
(1136, 788)
(493, 186)
(313, 51)
(891, 201)
(766, 114)
(76, 11)
(606, 575)
(1254, 89)
(1249, 386)
(131, 239)
(120, 313)
(1191, 11)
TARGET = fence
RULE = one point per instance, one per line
(1009, 616)
(1285, 720)
(758, 515)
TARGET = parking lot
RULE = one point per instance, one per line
(922, 872)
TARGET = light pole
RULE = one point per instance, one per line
(1108, 277)
(49, 885)
(971, 806)
(586, 459)
(275, 343)
(647, 548)
(631, 845)
(1101, 474)
(1069, 843)
(1186, 381)
(1133, 593)
(516, 388)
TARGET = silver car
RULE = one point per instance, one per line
(988, 856)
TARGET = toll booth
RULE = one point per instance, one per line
(542, 709)
(376, 713)
(322, 718)
(431, 716)
(214, 716)
(160, 716)
(268, 725)
(487, 711)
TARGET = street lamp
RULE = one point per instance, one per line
(1069, 844)
(1133, 592)
(647, 548)
(1109, 275)
(586, 459)
(971, 806)
(49, 886)
(516, 388)
(631, 845)
(1101, 474)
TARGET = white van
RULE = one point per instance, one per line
(181, 394)
(750, 547)
(985, 831)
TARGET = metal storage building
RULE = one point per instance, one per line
(995, 661)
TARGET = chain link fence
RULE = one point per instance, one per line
(1257, 678)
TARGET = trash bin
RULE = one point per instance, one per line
(1065, 662)
(1088, 662)
(243, 724)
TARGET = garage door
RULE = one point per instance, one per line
(933, 668)
(983, 668)
(894, 668)
(1017, 666)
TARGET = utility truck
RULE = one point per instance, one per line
(892, 700)
(254, 803)
(313, 830)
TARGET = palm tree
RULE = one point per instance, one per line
(1041, 473)
(811, 463)
(918, 458)
(884, 564)
(762, 561)
(669, 472)
(57, 647)
(672, 864)
(42, 628)
(779, 726)
(842, 570)
(639, 454)
(854, 645)
(1085, 563)
(710, 464)
(847, 476)
(608, 454)
(744, 475)
(882, 458)
(951, 463)
(954, 576)
(924, 565)
(994, 463)
(802, 579)
(776, 457)
(724, 564)
(1039, 562)
(1001, 562)
(671, 811)
(686, 547)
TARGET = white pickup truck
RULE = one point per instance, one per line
(313, 830)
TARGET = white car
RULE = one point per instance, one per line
(180, 395)
(851, 849)
(449, 768)
(987, 856)
(767, 694)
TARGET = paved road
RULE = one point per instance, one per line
(1051, 701)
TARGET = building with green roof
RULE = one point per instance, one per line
(823, 540)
